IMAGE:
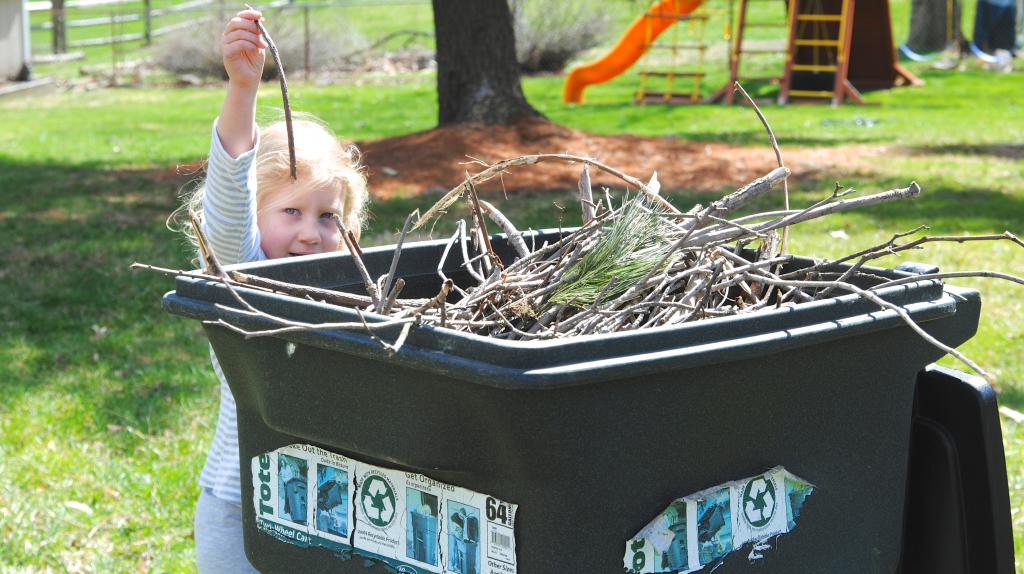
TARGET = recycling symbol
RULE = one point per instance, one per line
(378, 501)
(759, 501)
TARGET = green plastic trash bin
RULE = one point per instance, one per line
(592, 436)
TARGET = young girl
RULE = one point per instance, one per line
(251, 209)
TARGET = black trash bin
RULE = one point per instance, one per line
(593, 436)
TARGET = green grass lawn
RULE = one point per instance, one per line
(109, 403)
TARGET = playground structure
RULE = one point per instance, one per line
(845, 43)
(833, 50)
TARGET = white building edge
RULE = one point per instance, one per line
(15, 41)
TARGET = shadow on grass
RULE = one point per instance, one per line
(759, 138)
(83, 326)
(829, 133)
(1012, 396)
(953, 210)
(1002, 151)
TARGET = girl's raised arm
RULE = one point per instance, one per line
(244, 52)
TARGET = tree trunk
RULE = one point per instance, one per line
(931, 30)
(477, 73)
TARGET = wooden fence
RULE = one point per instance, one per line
(59, 24)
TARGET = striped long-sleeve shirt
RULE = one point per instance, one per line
(229, 223)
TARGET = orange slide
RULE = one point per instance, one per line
(629, 48)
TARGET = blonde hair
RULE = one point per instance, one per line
(321, 160)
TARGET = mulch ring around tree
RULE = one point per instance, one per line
(437, 160)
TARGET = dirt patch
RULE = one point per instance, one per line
(436, 159)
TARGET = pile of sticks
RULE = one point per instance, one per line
(634, 265)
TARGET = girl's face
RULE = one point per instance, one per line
(299, 223)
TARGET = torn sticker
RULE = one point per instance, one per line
(702, 528)
(307, 496)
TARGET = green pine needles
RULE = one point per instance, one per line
(628, 251)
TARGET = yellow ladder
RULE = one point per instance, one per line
(820, 34)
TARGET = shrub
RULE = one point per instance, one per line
(196, 51)
(549, 34)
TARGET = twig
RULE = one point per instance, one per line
(600, 296)
(778, 157)
(586, 195)
(466, 261)
(210, 262)
(392, 295)
(293, 326)
(249, 309)
(435, 301)
(745, 194)
(353, 249)
(390, 348)
(394, 259)
(485, 238)
(447, 250)
(653, 185)
(514, 237)
(890, 247)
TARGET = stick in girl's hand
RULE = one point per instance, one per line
(284, 92)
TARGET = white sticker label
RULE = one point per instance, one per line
(307, 496)
(701, 529)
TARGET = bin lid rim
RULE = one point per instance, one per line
(533, 344)
(632, 362)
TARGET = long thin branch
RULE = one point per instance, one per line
(293, 326)
(890, 247)
(254, 281)
(866, 294)
(727, 235)
(949, 275)
(284, 95)
(393, 295)
(289, 325)
(210, 262)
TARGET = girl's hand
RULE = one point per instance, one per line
(243, 49)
